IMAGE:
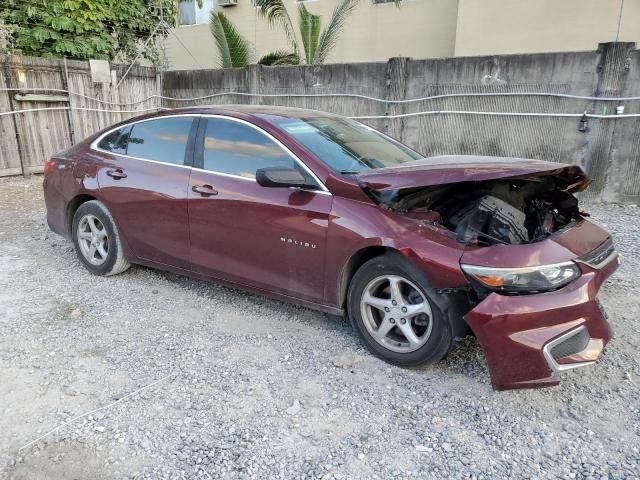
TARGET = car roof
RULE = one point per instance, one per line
(266, 112)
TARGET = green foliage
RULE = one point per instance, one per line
(276, 14)
(330, 35)
(280, 57)
(315, 42)
(233, 47)
(84, 29)
(309, 32)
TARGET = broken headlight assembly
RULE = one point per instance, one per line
(524, 280)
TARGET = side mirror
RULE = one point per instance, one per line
(282, 177)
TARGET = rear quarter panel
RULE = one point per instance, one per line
(59, 188)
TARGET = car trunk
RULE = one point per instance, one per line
(490, 201)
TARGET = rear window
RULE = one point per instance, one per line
(163, 140)
(116, 141)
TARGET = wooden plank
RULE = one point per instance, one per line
(43, 133)
(9, 159)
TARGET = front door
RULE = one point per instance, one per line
(144, 184)
(269, 238)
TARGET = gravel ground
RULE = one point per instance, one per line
(253, 388)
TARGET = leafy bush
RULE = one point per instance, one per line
(84, 29)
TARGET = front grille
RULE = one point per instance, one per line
(574, 344)
(596, 257)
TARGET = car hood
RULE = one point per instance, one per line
(449, 169)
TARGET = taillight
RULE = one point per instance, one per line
(48, 166)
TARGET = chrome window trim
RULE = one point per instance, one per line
(247, 179)
(94, 146)
(555, 366)
(274, 140)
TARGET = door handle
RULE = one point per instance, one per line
(116, 174)
(204, 190)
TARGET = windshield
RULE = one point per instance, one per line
(346, 146)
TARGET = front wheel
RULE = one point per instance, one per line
(97, 241)
(397, 313)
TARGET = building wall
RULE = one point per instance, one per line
(489, 27)
(427, 29)
(418, 29)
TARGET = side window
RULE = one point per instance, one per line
(163, 140)
(116, 141)
(237, 149)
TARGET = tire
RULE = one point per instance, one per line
(431, 326)
(107, 260)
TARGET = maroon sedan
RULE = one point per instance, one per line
(319, 210)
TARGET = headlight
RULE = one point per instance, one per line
(529, 279)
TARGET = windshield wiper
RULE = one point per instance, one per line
(350, 172)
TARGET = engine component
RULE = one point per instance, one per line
(491, 220)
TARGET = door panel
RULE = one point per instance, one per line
(149, 207)
(270, 238)
(145, 182)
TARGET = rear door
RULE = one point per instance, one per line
(269, 238)
(144, 180)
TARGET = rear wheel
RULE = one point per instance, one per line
(97, 240)
(397, 313)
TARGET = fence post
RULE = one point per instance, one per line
(10, 82)
(254, 73)
(396, 90)
(65, 83)
(612, 71)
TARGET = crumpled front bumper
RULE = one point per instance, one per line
(529, 339)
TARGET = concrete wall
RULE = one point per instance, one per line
(609, 149)
(428, 29)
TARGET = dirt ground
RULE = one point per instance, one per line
(253, 388)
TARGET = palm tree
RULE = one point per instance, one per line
(235, 49)
(314, 43)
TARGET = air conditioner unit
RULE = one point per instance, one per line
(227, 3)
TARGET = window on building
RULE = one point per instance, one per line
(163, 140)
(191, 14)
(237, 149)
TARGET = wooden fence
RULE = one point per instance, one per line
(28, 139)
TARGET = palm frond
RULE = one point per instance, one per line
(276, 14)
(280, 57)
(330, 35)
(233, 47)
(309, 32)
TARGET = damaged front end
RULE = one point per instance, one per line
(526, 250)
(504, 211)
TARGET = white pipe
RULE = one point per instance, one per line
(47, 109)
(365, 117)
(351, 95)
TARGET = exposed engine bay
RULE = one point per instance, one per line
(506, 211)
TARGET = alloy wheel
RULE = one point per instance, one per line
(93, 239)
(396, 313)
